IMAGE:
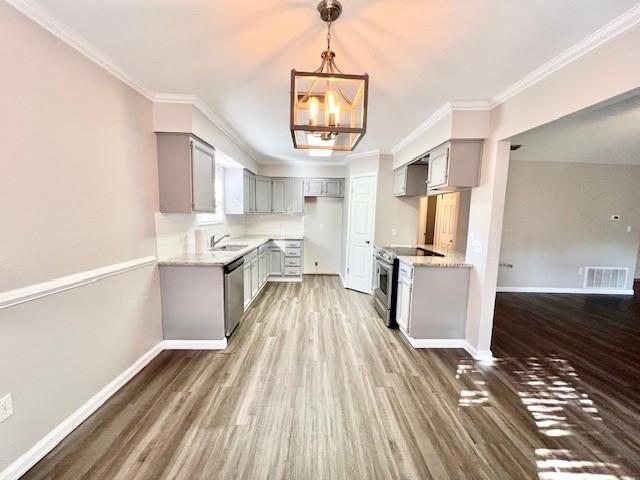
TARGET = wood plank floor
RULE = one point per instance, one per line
(313, 386)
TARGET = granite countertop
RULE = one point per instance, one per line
(220, 258)
(451, 259)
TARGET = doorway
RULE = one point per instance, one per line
(361, 217)
(444, 221)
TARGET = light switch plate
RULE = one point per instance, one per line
(629, 229)
(6, 407)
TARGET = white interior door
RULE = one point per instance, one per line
(446, 221)
(361, 216)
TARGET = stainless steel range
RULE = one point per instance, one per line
(386, 278)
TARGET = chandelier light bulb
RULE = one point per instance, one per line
(314, 109)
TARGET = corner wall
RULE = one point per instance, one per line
(78, 191)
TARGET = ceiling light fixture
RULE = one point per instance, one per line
(327, 105)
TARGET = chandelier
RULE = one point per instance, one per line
(328, 107)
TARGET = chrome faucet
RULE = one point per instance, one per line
(214, 242)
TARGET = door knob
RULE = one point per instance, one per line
(367, 242)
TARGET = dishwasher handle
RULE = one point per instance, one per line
(234, 265)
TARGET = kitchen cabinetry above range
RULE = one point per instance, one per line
(454, 166)
(450, 167)
(410, 180)
(186, 174)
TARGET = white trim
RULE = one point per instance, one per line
(213, 117)
(373, 226)
(354, 156)
(55, 436)
(284, 280)
(611, 30)
(481, 355)
(62, 284)
(59, 29)
(434, 118)
(194, 344)
(344, 285)
(580, 291)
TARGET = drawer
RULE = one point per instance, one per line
(292, 271)
(292, 252)
(292, 262)
(292, 243)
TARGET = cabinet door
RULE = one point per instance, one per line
(438, 167)
(332, 187)
(313, 187)
(263, 267)
(279, 195)
(255, 277)
(247, 285)
(276, 262)
(248, 192)
(295, 196)
(203, 173)
(400, 181)
(403, 306)
(263, 195)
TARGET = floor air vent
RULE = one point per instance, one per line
(614, 278)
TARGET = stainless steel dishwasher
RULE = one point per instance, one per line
(233, 295)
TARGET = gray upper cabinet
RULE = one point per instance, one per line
(263, 194)
(239, 191)
(410, 180)
(279, 203)
(186, 174)
(333, 187)
(324, 187)
(313, 187)
(295, 196)
(454, 166)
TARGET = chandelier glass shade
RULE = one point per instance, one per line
(328, 107)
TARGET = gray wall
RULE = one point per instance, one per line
(557, 219)
(78, 191)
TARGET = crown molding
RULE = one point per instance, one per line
(439, 114)
(618, 26)
(213, 117)
(59, 29)
(303, 163)
(354, 156)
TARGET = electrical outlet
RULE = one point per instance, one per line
(615, 218)
(580, 271)
(6, 407)
(315, 263)
(629, 229)
(394, 232)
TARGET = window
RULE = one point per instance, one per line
(215, 218)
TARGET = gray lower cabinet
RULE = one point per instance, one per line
(186, 174)
(247, 284)
(439, 311)
(276, 261)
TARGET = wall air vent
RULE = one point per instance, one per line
(614, 278)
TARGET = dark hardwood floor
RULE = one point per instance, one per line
(313, 386)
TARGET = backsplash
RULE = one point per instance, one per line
(267, 224)
(175, 232)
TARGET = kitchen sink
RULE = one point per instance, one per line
(229, 248)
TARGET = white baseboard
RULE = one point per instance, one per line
(284, 280)
(194, 344)
(579, 291)
(480, 355)
(55, 436)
